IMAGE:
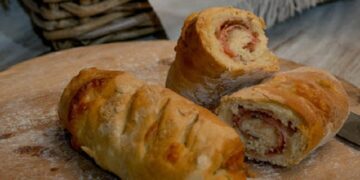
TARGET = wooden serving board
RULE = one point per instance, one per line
(33, 145)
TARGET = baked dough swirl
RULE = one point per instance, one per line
(289, 115)
(219, 51)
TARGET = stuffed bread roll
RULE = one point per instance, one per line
(219, 51)
(283, 119)
(138, 131)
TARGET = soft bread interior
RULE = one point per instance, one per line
(236, 38)
(270, 132)
(240, 41)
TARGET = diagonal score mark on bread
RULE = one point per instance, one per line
(189, 131)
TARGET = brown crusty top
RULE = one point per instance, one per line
(140, 131)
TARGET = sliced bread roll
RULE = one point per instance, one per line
(289, 115)
(219, 51)
(140, 131)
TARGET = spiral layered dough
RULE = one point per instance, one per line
(289, 115)
(140, 131)
(219, 51)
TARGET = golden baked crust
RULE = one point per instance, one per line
(219, 51)
(315, 98)
(140, 131)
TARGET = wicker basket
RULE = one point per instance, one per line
(70, 23)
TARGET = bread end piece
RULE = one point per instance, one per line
(219, 51)
(288, 116)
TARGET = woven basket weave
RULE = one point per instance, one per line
(70, 23)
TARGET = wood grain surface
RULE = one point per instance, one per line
(326, 37)
(34, 146)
